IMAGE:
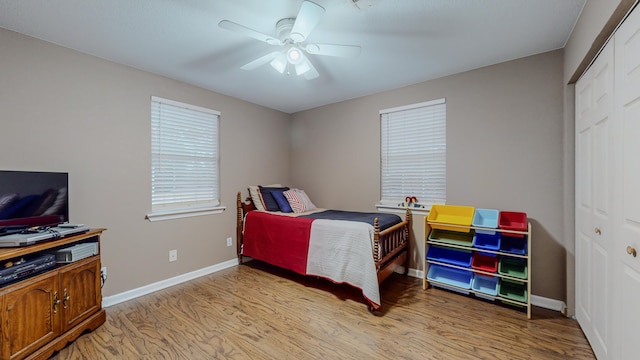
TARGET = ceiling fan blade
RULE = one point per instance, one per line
(280, 62)
(307, 19)
(260, 61)
(349, 51)
(243, 30)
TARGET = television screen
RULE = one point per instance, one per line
(30, 198)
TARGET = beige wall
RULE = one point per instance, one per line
(504, 151)
(65, 111)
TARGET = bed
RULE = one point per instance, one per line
(359, 249)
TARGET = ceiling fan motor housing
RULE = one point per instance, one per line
(283, 29)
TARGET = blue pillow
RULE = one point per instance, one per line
(282, 201)
(269, 201)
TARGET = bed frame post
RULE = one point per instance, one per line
(239, 229)
(376, 241)
(407, 230)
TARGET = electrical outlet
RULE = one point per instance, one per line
(173, 255)
(229, 241)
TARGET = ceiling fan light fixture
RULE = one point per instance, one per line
(279, 63)
(302, 68)
(294, 55)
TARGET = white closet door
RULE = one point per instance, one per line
(627, 188)
(594, 168)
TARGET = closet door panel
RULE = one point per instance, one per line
(631, 158)
(627, 187)
(594, 169)
(628, 322)
(584, 285)
(628, 244)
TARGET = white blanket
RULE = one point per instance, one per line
(343, 252)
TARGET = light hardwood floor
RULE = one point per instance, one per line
(256, 311)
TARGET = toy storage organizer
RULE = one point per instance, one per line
(483, 252)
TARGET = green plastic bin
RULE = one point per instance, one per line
(515, 267)
(512, 290)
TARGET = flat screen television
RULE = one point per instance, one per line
(33, 198)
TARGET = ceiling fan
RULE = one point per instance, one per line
(291, 36)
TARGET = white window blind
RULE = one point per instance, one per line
(413, 153)
(184, 157)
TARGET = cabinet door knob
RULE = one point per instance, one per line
(597, 231)
(631, 251)
(56, 301)
(65, 298)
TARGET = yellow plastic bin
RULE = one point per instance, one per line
(442, 216)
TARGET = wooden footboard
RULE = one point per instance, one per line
(391, 247)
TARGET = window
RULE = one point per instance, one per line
(413, 153)
(184, 160)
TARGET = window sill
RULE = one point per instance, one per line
(401, 210)
(179, 214)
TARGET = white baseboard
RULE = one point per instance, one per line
(163, 284)
(416, 273)
(536, 300)
(107, 301)
(551, 304)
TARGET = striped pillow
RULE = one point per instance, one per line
(299, 200)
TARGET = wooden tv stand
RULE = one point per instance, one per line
(45, 312)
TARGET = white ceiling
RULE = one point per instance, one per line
(403, 41)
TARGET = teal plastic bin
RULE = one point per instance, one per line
(486, 218)
(450, 278)
(485, 285)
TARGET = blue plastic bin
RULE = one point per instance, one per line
(443, 276)
(486, 218)
(513, 245)
(450, 256)
(485, 284)
(487, 242)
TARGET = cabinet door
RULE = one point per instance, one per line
(30, 315)
(81, 292)
(627, 266)
(594, 169)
